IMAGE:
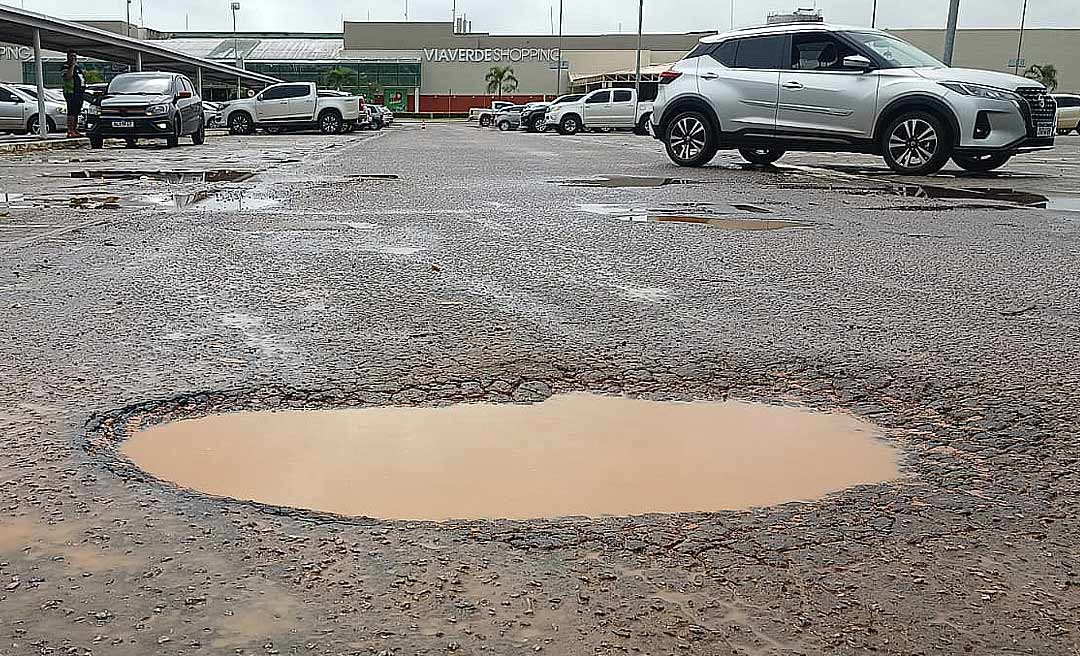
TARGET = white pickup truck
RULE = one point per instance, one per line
(292, 105)
(601, 109)
(486, 115)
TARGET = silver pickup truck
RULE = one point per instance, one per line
(292, 105)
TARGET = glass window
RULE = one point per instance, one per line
(725, 54)
(141, 85)
(818, 52)
(896, 53)
(700, 49)
(623, 96)
(274, 93)
(597, 98)
(296, 91)
(760, 52)
(8, 97)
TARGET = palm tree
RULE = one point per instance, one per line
(339, 77)
(1045, 73)
(501, 78)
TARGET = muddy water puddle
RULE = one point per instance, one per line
(625, 181)
(171, 177)
(573, 455)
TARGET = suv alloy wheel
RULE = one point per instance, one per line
(761, 156)
(330, 122)
(504, 126)
(690, 139)
(982, 163)
(916, 143)
(240, 123)
(570, 125)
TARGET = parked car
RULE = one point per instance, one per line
(19, 110)
(533, 117)
(211, 114)
(601, 109)
(382, 116)
(768, 90)
(294, 105)
(486, 115)
(508, 118)
(1068, 116)
(147, 105)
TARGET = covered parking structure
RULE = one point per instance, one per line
(650, 77)
(27, 28)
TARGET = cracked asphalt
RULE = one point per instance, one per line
(447, 264)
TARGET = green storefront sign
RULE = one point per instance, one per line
(396, 99)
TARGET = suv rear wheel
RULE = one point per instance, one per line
(916, 143)
(691, 139)
(761, 156)
(982, 163)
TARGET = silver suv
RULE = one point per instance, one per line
(815, 87)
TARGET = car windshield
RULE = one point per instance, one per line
(896, 52)
(140, 85)
(566, 99)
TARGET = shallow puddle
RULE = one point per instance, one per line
(722, 222)
(624, 181)
(576, 454)
(236, 201)
(172, 177)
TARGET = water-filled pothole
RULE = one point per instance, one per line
(625, 181)
(172, 177)
(575, 454)
(722, 222)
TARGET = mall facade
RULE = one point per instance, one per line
(436, 68)
(413, 66)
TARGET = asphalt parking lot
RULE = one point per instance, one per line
(445, 263)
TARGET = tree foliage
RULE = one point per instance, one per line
(1044, 73)
(500, 79)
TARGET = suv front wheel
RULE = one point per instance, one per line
(916, 143)
(691, 140)
(982, 163)
(761, 156)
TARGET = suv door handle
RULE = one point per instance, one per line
(710, 76)
(793, 85)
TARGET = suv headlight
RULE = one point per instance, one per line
(979, 91)
(157, 110)
(93, 110)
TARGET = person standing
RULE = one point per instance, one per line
(74, 93)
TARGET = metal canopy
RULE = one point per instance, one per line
(17, 26)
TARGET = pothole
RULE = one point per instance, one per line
(725, 223)
(172, 177)
(624, 181)
(572, 455)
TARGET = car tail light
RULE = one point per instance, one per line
(669, 76)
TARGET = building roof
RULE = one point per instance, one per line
(18, 26)
(259, 49)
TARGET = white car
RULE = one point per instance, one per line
(601, 109)
(19, 110)
(818, 87)
(293, 105)
(1068, 116)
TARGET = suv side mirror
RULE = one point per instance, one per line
(858, 63)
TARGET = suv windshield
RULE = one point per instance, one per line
(140, 85)
(897, 53)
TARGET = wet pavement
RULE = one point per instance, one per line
(474, 276)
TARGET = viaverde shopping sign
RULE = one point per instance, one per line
(482, 55)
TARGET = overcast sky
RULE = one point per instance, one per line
(533, 16)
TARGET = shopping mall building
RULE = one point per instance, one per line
(442, 68)
(417, 67)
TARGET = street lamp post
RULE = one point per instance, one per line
(558, 64)
(1020, 42)
(637, 72)
(127, 20)
(950, 31)
(236, 47)
(873, 16)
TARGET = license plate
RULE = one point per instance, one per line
(1046, 131)
(123, 124)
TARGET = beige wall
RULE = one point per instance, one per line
(992, 50)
